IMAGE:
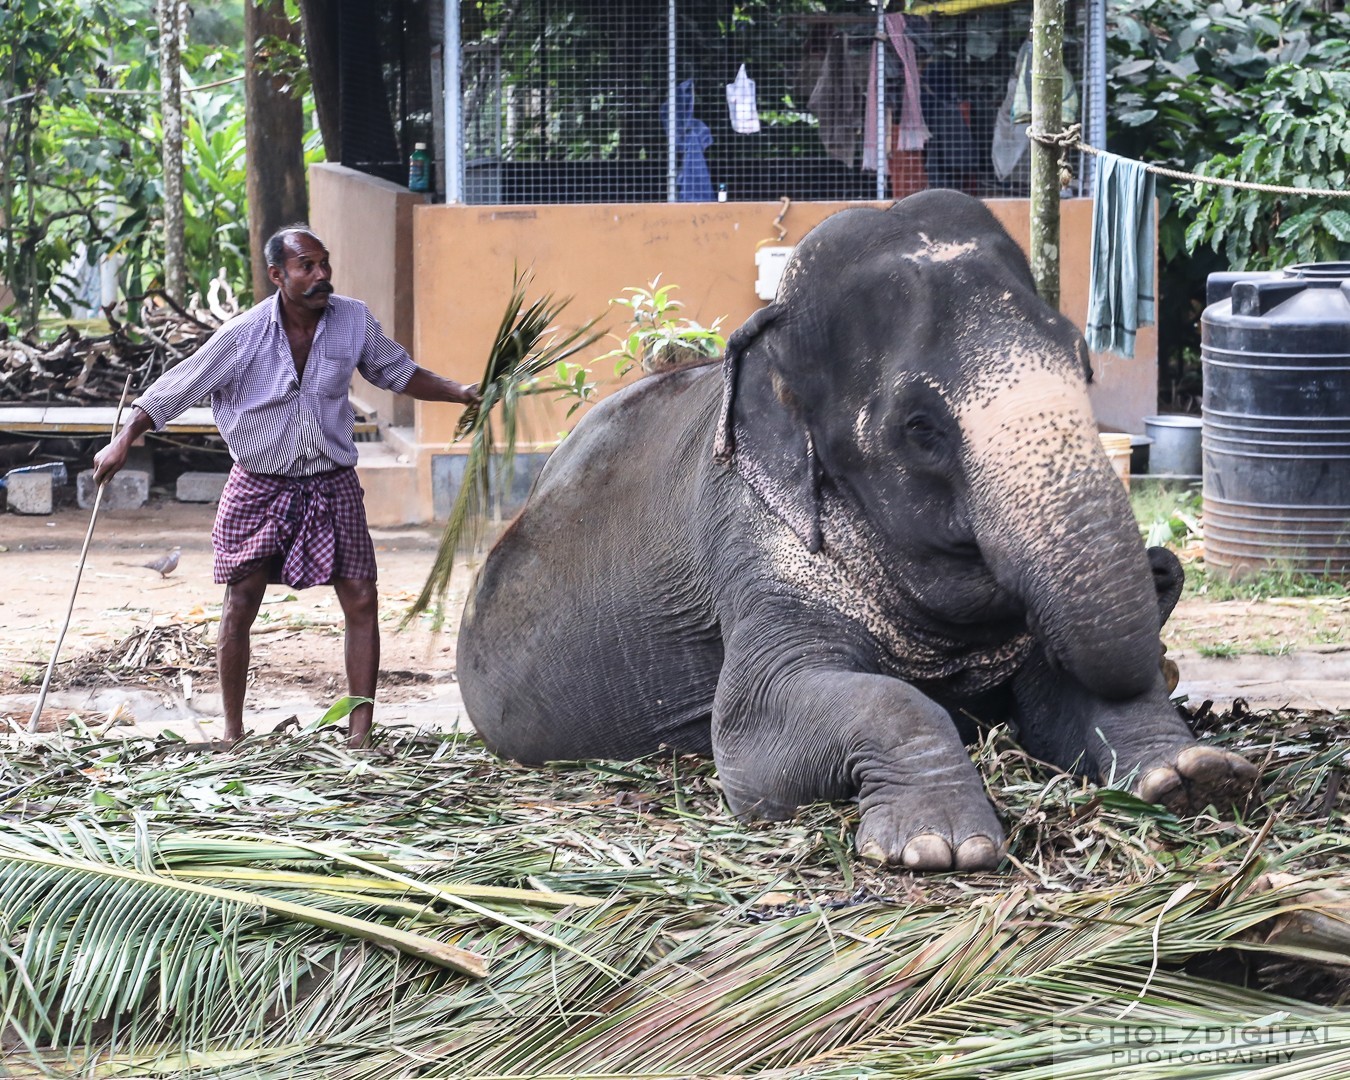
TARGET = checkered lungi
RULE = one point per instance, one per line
(308, 530)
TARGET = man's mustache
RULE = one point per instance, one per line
(317, 288)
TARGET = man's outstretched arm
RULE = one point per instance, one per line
(427, 386)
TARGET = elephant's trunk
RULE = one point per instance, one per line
(1054, 523)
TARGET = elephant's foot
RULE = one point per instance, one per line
(931, 830)
(1197, 777)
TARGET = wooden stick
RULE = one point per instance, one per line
(79, 570)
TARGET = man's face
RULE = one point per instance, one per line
(304, 280)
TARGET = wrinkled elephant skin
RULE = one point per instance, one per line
(887, 509)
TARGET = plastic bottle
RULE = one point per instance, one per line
(721, 193)
(419, 168)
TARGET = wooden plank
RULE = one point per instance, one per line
(88, 419)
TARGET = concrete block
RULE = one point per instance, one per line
(447, 472)
(128, 490)
(30, 492)
(142, 458)
(201, 487)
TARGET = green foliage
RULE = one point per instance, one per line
(1304, 141)
(656, 337)
(81, 141)
(46, 51)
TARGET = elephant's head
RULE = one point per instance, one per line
(909, 392)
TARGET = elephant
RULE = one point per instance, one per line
(884, 512)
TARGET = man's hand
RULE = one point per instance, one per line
(109, 461)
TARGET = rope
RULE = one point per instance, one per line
(1069, 139)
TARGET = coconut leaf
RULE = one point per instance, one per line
(525, 346)
(709, 947)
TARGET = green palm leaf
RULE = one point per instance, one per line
(525, 346)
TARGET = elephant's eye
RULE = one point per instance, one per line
(921, 428)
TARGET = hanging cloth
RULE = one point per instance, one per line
(834, 102)
(741, 104)
(1120, 291)
(692, 137)
(912, 132)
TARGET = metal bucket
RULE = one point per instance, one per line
(1175, 450)
(1275, 350)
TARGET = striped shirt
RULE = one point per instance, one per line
(273, 422)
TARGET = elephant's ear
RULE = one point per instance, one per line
(725, 443)
(762, 430)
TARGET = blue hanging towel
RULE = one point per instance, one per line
(1120, 293)
(692, 137)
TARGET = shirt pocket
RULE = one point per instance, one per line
(334, 375)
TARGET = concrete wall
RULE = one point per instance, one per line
(367, 225)
(464, 258)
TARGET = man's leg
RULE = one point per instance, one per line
(360, 608)
(242, 600)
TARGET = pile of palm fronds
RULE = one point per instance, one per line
(526, 345)
(297, 909)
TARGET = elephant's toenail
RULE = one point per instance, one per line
(978, 853)
(1202, 763)
(927, 852)
(1158, 783)
(871, 852)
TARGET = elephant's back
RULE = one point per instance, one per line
(591, 630)
(671, 413)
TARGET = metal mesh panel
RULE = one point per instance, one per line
(572, 100)
(384, 84)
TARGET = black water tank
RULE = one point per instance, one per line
(1275, 429)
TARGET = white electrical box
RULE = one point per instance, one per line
(770, 261)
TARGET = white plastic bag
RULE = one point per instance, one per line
(741, 103)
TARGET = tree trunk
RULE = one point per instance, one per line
(1047, 91)
(319, 20)
(172, 30)
(274, 122)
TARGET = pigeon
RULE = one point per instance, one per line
(166, 563)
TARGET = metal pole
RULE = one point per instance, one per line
(672, 137)
(1095, 91)
(454, 118)
(879, 53)
(1047, 92)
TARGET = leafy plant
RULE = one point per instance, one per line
(617, 899)
(656, 338)
(1303, 139)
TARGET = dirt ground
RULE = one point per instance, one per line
(1272, 650)
(297, 642)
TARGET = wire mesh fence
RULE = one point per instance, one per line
(581, 101)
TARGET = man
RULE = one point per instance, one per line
(292, 510)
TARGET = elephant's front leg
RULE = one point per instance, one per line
(1142, 741)
(785, 735)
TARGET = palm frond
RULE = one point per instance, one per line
(702, 945)
(526, 345)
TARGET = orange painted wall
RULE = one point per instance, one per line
(463, 259)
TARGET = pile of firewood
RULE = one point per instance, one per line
(82, 369)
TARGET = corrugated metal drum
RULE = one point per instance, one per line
(1275, 431)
